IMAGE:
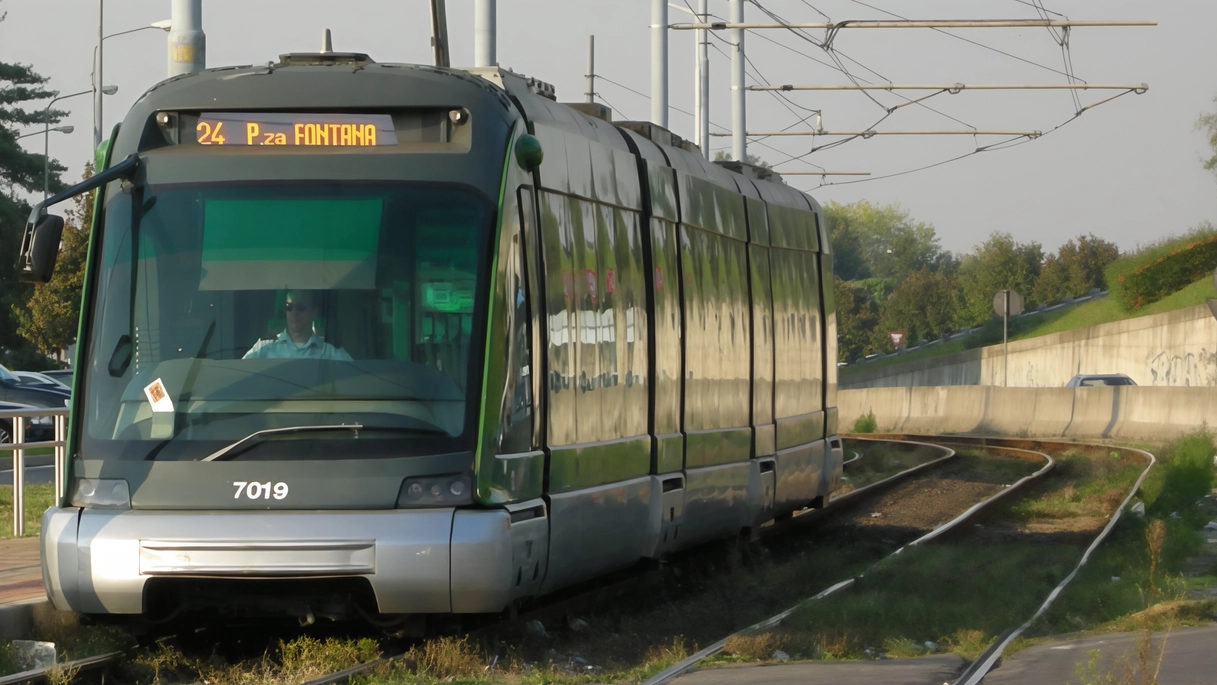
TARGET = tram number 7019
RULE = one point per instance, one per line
(254, 490)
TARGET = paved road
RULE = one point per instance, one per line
(34, 475)
(1190, 659)
(927, 670)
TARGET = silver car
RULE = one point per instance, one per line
(1098, 379)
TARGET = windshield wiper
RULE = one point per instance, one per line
(258, 437)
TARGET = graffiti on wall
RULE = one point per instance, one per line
(1189, 369)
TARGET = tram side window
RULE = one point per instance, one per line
(516, 431)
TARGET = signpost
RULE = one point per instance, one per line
(1005, 303)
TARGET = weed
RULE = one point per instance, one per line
(307, 655)
(866, 424)
(447, 658)
(1155, 537)
(8, 660)
(1141, 668)
(61, 674)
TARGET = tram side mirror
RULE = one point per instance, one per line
(529, 154)
(40, 249)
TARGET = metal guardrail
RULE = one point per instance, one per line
(18, 447)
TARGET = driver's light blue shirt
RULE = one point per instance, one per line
(283, 347)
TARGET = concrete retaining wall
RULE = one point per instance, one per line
(1125, 413)
(1176, 348)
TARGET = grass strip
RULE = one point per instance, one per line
(38, 498)
(881, 460)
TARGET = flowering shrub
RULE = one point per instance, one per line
(1154, 273)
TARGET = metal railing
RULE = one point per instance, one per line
(18, 447)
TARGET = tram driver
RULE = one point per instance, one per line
(298, 340)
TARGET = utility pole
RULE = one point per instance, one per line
(702, 99)
(97, 77)
(485, 29)
(739, 140)
(187, 42)
(590, 95)
(439, 34)
(659, 62)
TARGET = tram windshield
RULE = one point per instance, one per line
(224, 310)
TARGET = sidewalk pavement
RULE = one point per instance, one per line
(20, 570)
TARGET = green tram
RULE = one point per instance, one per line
(388, 339)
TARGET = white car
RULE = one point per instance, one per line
(1098, 380)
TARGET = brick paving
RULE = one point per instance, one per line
(20, 570)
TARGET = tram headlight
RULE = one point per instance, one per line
(446, 490)
(101, 493)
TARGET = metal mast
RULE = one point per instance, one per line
(590, 95)
(702, 99)
(97, 78)
(659, 62)
(485, 27)
(739, 140)
(187, 42)
(439, 34)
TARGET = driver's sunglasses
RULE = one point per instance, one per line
(295, 307)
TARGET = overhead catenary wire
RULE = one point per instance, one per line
(641, 94)
(1001, 145)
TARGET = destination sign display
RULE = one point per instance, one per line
(280, 129)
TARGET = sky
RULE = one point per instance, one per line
(1128, 171)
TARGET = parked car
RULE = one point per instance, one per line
(64, 376)
(35, 379)
(1098, 379)
(37, 429)
(13, 390)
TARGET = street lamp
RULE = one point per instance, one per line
(58, 129)
(46, 120)
(163, 25)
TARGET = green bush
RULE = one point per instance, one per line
(1185, 474)
(866, 424)
(1163, 268)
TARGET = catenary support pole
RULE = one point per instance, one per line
(485, 30)
(659, 62)
(187, 43)
(439, 34)
(590, 95)
(739, 140)
(703, 80)
(1005, 340)
(97, 77)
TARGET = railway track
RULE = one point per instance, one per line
(777, 539)
(977, 670)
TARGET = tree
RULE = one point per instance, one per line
(995, 264)
(19, 170)
(722, 156)
(52, 315)
(1076, 268)
(873, 241)
(857, 320)
(925, 306)
(1208, 124)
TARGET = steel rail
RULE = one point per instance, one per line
(39, 675)
(685, 665)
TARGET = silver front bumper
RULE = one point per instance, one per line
(97, 562)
